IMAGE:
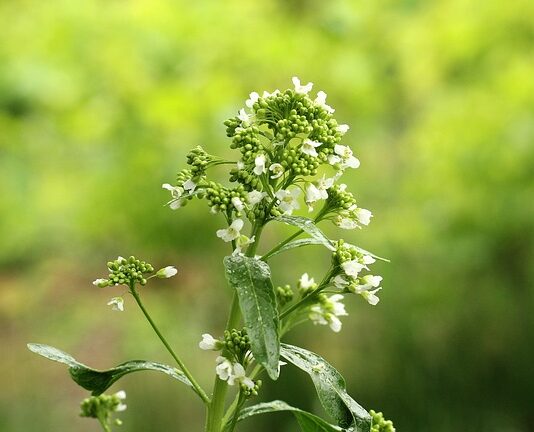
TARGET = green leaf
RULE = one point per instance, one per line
(98, 381)
(366, 252)
(251, 278)
(296, 244)
(308, 226)
(330, 387)
(308, 422)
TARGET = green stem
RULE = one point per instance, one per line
(280, 245)
(182, 366)
(220, 387)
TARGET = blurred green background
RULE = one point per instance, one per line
(101, 100)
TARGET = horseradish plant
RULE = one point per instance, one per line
(290, 156)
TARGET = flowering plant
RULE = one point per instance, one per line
(289, 146)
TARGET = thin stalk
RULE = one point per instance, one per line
(182, 366)
(280, 245)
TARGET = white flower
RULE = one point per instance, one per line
(347, 157)
(240, 165)
(243, 241)
(321, 101)
(333, 159)
(340, 282)
(121, 395)
(288, 200)
(364, 216)
(176, 193)
(209, 343)
(277, 170)
(325, 183)
(328, 311)
(255, 196)
(369, 281)
(243, 116)
(100, 283)
(253, 97)
(237, 203)
(313, 193)
(266, 94)
(260, 167)
(371, 296)
(117, 304)
(232, 232)
(368, 259)
(308, 147)
(305, 282)
(301, 89)
(343, 128)
(232, 372)
(345, 223)
(189, 185)
(352, 267)
(224, 368)
(166, 272)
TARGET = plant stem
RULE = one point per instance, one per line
(196, 386)
(280, 245)
(220, 388)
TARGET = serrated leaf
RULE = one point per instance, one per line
(307, 225)
(98, 381)
(296, 244)
(308, 422)
(330, 387)
(251, 278)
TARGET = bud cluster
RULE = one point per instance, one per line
(248, 391)
(237, 343)
(284, 295)
(380, 424)
(103, 406)
(126, 272)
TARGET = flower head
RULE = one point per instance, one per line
(328, 311)
(321, 101)
(252, 99)
(288, 200)
(260, 167)
(255, 196)
(117, 304)
(308, 147)
(277, 170)
(301, 89)
(176, 193)
(209, 343)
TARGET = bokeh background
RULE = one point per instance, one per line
(101, 100)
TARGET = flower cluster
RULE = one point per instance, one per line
(327, 311)
(103, 406)
(341, 207)
(129, 272)
(350, 261)
(283, 139)
(380, 424)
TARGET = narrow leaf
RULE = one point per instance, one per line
(330, 387)
(308, 422)
(366, 252)
(251, 278)
(296, 244)
(98, 381)
(308, 226)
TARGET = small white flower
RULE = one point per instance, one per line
(368, 259)
(266, 94)
(277, 170)
(343, 128)
(117, 304)
(364, 216)
(240, 377)
(308, 147)
(243, 241)
(100, 283)
(327, 312)
(252, 99)
(166, 272)
(306, 283)
(340, 282)
(176, 193)
(255, 196)
(369, 281)
(301, 89)
(371, 296)
(243, 116)
(240, 165)
(121, 395)
(260, 167)
(232, 232)
(189, 185)
(237, 203)
(325, 183)
(313, 193)
(224, 368)
(321, 101)
(288, 200)
(209, 343)
(352, 268)
(333, 159)
(346, 155)
(345, 223)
